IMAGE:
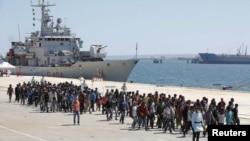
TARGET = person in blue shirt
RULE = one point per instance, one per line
(29, 94)
(229, 116)
(92, 98)
(70, 98)
(35, 94)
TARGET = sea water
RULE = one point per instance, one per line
(182, 73)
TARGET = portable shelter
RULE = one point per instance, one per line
(6, 65)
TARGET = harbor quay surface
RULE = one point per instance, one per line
(28, 123)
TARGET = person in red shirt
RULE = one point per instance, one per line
(142, 113)
(81, 100)
(76, 110)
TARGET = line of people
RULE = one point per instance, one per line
(158, 110)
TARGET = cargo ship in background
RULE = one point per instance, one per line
(54, 51)
(240, 57)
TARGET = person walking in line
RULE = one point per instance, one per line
(10, 92)
(81, 100)
(159, 112)
(124, 88)
(142, 115)
(46, 102)
(33, 80)
(188, 122)
(35, 94)
(167, 116)
(236, 118)
(92, 98)
(122, 109)
(108, 109)
(83, 83)
(229, 116)
(76, 111)
(17, 92)
(209, 119)
(134, 114)
(70, 99)
(197, 123)
(221, 117)
(42, 80)
(23, 94)
(151, 113)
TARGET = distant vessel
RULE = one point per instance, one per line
(211, 58)
(54, 51)
(158, 59)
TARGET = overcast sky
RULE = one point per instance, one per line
(159, 26)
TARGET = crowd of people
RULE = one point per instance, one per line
(153, 110)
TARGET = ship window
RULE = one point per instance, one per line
(53, 39)
(49, 39)
(67, 39)
(61, 44)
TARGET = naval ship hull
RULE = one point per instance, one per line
(112, 70)
(210, 58)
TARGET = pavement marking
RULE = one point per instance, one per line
(21, 133)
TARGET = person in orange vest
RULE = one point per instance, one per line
(76, 110)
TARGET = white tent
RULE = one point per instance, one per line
(6, 65)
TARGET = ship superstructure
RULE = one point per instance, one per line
(55, 51)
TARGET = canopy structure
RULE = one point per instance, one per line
(6, 65)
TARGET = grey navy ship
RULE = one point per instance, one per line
(55, 51)
(240, 57)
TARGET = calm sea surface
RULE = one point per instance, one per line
(181, 73)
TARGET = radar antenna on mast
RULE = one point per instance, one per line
(45, 18)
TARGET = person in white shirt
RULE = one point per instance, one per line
(134, 114)
(83, 83)
(221, 117)
(42, 79)
(197, 123)
(124, 88)
(33, 80)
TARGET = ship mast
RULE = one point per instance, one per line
(19, 33)
(45, 19)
